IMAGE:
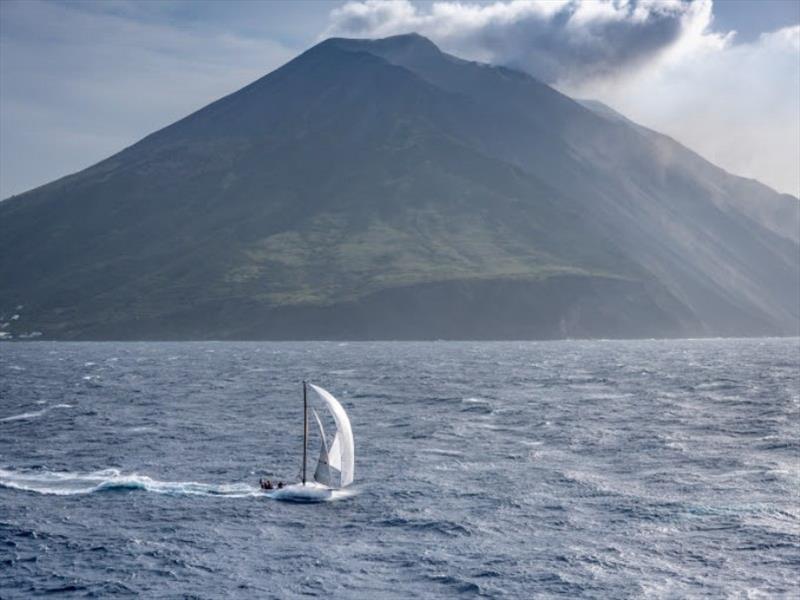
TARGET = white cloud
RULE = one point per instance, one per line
(737, 105)
(657, 61)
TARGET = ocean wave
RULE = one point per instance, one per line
(478, 405)
(33, 414)
(440, 526)
(27, 415)
(442, 452)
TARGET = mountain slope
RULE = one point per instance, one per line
(383, 189)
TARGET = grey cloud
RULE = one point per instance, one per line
(550, 51)
(573, 42)
(658, 62)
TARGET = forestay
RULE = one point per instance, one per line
(340, 455)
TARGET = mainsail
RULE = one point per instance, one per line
(339, 457)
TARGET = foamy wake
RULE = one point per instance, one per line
(69, 484)
(107, 480)
(310, 492)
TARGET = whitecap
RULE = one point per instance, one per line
(27, 415)
(346, 372)
(442, 452)
(480, 405)
(35, 413)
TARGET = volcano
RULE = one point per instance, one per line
(383, 189)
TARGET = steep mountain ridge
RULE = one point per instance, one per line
(367, 177)
(662, 176)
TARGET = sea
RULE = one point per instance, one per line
(558, 469)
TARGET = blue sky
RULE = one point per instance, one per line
(82, 80)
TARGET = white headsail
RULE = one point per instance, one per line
(322, 474)
(340, 455)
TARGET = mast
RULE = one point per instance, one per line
(305, 431)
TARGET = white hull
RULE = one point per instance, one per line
(310, 492)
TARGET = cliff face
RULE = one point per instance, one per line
(383, 189)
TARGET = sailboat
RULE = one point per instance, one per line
(336, 462)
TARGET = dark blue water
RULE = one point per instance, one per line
(554, 469)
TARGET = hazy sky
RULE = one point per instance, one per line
(82, 80)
